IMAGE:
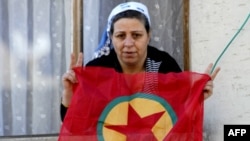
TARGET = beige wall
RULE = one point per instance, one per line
(213, 23)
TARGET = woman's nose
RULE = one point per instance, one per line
(129, 41)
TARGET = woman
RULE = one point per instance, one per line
(126, 49)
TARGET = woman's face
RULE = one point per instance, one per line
(130, 40)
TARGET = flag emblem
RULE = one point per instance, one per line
(143, 114)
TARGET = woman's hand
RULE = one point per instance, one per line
(69, 78)
(208, 89)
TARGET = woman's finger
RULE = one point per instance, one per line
(70, 76)
(79, 60)
(214, 73)
(209, 68)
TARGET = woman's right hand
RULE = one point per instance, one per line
(69, 78)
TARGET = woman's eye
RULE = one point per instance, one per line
(136, 35)
(120, 36)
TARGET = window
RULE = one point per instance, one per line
(35, 41)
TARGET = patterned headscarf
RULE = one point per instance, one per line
(105, 45)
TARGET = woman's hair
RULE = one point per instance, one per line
(130, 14)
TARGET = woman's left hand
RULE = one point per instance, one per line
(208, 89)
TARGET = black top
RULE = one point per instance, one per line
(157, 61)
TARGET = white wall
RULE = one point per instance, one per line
(213, 23)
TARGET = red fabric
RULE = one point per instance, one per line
(112, 106)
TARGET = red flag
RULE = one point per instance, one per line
(112, 106)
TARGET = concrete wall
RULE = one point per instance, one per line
(213, 23)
